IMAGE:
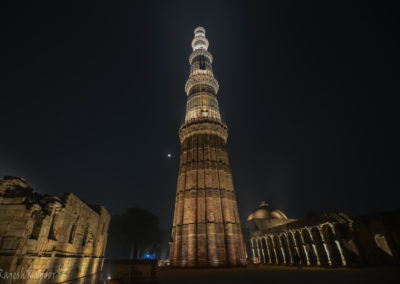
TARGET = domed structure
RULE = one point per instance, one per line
(265, 211)
(265, 217)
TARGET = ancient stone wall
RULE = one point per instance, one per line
(48, 237)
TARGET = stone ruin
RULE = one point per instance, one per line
(48, 239)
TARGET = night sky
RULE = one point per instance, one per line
(92, 96)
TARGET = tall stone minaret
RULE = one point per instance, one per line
(206, 229)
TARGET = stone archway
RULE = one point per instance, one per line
(286, 249)
(266, 251)
(273, 250)
(323, 257)
(280, 255)
(336, 253)
(261, 249)
(254, 251)
(308, 242)
(37, 224)
(303, 256)
(292, 247)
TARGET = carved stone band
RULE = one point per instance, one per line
(203, 126)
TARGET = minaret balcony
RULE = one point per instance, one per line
(201, 79)
(203, 125)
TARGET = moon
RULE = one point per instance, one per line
(169, 155)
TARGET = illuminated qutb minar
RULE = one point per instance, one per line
(206, 229)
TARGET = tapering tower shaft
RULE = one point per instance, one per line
(206, 228)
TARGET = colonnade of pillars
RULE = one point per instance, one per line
(310, 246)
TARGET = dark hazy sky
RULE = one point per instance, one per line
(92, 96)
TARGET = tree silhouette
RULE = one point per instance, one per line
(139, 230)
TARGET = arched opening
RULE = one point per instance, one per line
(266, 252)
(280, 257)
(292, 248)
(72, 233)
(85, 235)
(272, 249)
(286, 251)
(302, 256)
(309, 247)
(331, 241)
(37, 225)
(52, 234)
(103, 228)
(323, 257)
(351, 253)
(255, 250)
(262, 254)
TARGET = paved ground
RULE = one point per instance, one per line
(272, 274)
(281, 274)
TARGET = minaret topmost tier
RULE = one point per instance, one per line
(200, 61)
(201, 87)
(200, 41)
